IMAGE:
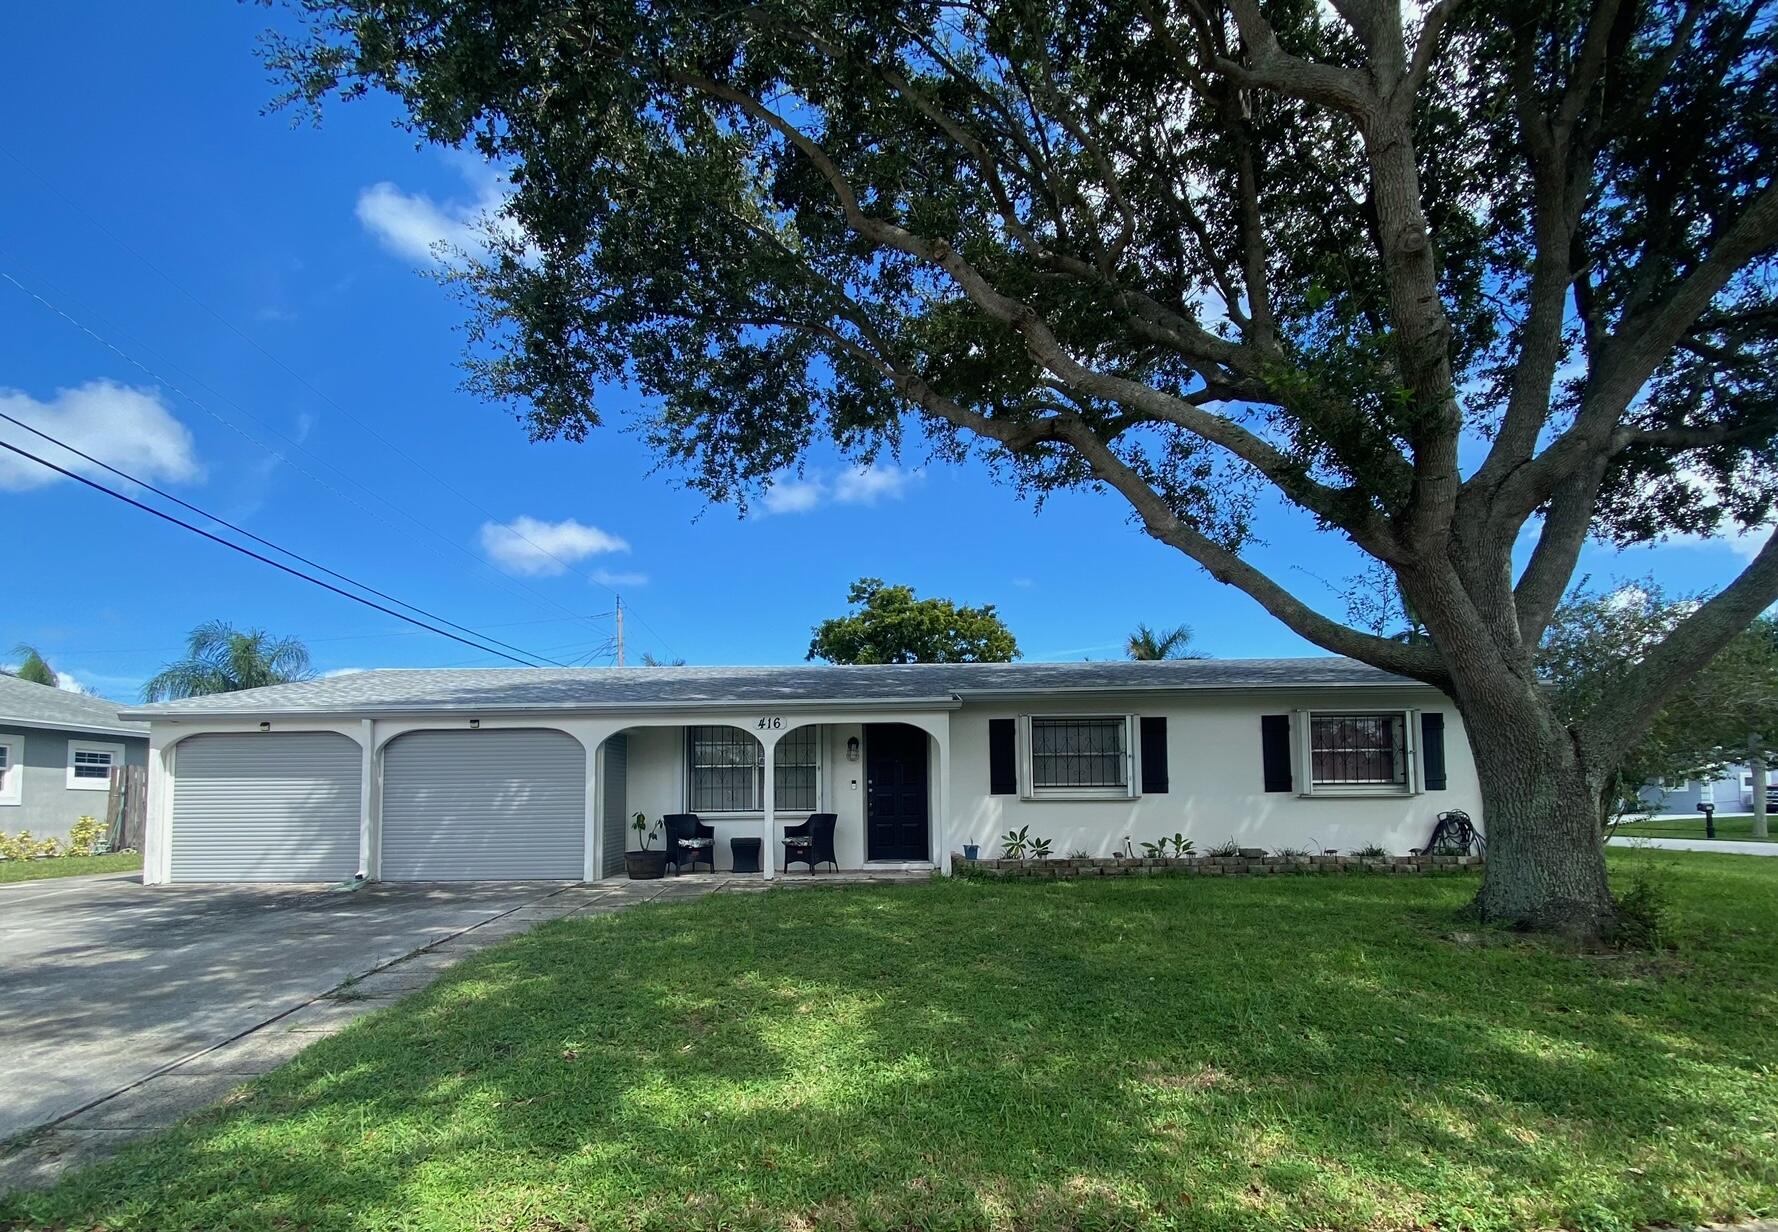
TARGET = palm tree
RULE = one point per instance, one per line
(33, 667)
(1149, 644)
(223, 659)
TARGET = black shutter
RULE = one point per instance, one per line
(1154, 754)
(1432, 749)
(1003, 765)
(1274, 744)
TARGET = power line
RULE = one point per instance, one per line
(297, 573)
(276, 455)
(99, 225)
(241, 530)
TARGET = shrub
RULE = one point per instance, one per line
(1228, 847)
(1291, 853)
(1040, 848)
(1644, 911)
(47, 848)
(1080, 853)
(20, 846)
(1014, 842)
(1372, 851)
(84, 835)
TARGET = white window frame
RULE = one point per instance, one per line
(76, 783)
(1303, 746)
(1028, 788)
(687, 794)
(12, 777)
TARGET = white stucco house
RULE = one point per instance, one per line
(522, 773)
(57, 751)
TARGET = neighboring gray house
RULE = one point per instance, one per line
(56, 753)
(1731, 791)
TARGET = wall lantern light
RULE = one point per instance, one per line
(265, 727)
(475, 724)
(852, 748)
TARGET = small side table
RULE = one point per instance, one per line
(746, 854)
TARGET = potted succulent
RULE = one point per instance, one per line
(645, 865)
(972, 851)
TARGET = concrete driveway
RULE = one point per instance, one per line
(104, 981)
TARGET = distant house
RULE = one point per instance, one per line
(56, 753)
(535, 773)
(1730, 790)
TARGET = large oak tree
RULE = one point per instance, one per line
(1482, 274)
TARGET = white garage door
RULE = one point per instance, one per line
(272, 806)
(484, 805)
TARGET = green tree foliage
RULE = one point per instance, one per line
(222, 659)
(1174, 643)
(1447, 281)
(1598, 639)
(33, 667)
(887, 624)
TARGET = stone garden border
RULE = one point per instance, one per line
(1250, 863)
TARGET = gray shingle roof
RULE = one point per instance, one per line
(407, 690)
(25, 704)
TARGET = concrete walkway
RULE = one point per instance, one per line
(1724, 846)
(208, 1075)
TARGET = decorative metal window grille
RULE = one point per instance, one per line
(1351, 750)
(794, 770)
(91, 764)
(727, 771)
(1069, 753)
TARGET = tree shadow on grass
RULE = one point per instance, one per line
(1141, 1054)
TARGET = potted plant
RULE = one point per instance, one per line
(972, 851)
(645, 865)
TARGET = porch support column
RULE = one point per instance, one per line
(768, 847)
(942, 824)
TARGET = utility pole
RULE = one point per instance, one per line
(620, 630)
(1756, 758)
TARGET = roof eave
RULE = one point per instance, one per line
(102, 729)
(945, 702)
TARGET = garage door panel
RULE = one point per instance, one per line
(277, 806)
(484, 805)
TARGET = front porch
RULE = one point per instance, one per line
(884, 778)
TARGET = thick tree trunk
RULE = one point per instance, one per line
(1540, 811)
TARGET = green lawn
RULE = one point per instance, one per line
(1202, 1053)
(69, 866)
(1736, 826)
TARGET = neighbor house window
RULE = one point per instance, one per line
(1082, 754)
(11, 774)
(89, 765)
(1359, 751)
(726, 771)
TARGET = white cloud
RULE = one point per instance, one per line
(871, 484)
(793, 496)
(126, 427)
(866, 485)
(536, 548)
(1744, 541)
(609, 577)
(415, 226)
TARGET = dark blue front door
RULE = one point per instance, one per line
(895, 813)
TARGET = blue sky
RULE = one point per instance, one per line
(250, 328)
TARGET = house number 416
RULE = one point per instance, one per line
(770, 724)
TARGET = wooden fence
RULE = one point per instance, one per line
(126, 807)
